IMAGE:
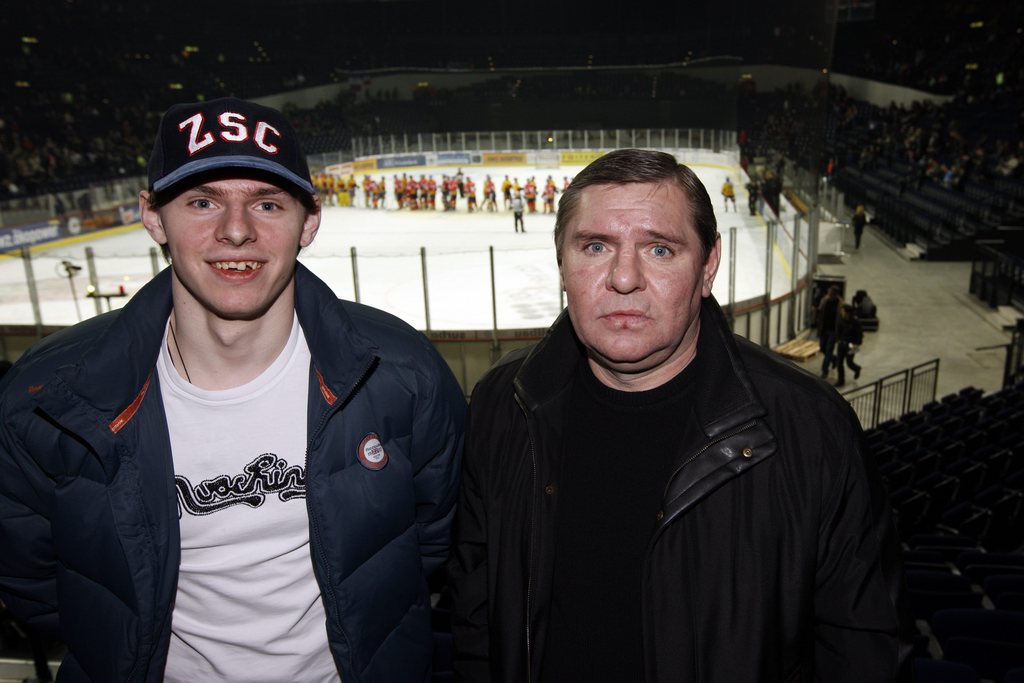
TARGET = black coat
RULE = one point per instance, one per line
(774, 558)
(849, 331)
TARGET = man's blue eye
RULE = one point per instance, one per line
(661, 251)
(595, 248)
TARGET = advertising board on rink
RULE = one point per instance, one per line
(579, 158)
(504, 159)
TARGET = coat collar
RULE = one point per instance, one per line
(115, 353)
(725, 397)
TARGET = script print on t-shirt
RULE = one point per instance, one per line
(267, 474)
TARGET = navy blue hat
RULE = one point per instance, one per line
(225, 133)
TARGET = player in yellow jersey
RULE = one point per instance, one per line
(469, 191)
(729, 195)
(506, 192)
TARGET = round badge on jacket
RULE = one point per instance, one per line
(371, 452)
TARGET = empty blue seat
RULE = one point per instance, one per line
(939, 671)
(979, 572)
(991, 659)
(997, 584)
(1013, 602)
(1014, 676)
(971, 557)
(930, 591)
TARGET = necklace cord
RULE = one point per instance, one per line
(178, 350)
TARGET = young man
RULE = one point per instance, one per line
(236, 476)
(645, 496)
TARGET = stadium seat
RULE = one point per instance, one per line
(996, 585)
(971, 557)
(941, 489)
(1013, 602)
(1015, 675)
(972, 476)
(991, 659)
(930, 591)
(978, 572)
(939, 671)
(991, 641)
(958, 544)
(897, 474)
(909, 506)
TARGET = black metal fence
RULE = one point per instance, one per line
(893, 395)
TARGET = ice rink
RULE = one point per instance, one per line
(390, 268)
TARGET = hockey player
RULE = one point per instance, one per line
(729, 195)
(490, 196)
(371, 192)
(548, 195)
(530, 192)
(431, 193)
(400, 191)
(367, 192)
(453, 193)
(350, 187)
(411, 189)
(421, 197)
(506, 192)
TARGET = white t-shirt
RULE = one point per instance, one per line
(248, 607)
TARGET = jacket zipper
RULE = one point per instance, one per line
(530, 554)
(309, 501)
(705, 448)
(661, 527)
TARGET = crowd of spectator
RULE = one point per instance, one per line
(84, 86)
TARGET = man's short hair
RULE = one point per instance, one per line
(623, 166)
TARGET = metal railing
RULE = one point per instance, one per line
(895, 395)
(529, 140)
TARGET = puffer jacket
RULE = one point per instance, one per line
(774, 558)
(88, 509)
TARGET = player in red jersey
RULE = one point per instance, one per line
(367, 192)
(530, 192)
(411, 189)
(423, 198)
(453, 193)
(370, 188)
(490, 195)
(400, 191)
(548, 195)
(469, 190)
(431, 193)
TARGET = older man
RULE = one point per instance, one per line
(235, 477)
(647, 497)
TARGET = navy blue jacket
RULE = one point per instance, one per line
(89, 538)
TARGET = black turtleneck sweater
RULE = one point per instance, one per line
(618, 454)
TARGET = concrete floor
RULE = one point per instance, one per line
(925, 311)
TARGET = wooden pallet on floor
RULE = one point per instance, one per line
(798, 349)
